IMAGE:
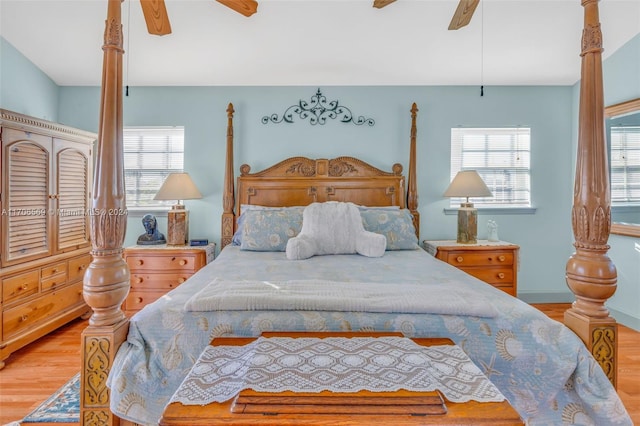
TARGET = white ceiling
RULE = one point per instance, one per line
(318, 42)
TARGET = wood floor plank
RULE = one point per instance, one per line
(33, 373)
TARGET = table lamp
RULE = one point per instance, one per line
(178, 186)
(467, 183)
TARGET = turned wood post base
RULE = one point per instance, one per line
(98, 348)
(600, 335)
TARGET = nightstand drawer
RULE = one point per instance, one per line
(163, 262)
(494, 276)
(137, 300)
(468, 258)
(160, 281)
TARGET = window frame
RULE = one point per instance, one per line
(456, 159)
(174, 135)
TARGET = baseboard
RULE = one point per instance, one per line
(565, 297)
(622, 318)
(625, 319)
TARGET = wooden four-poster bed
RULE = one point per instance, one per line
(590, 274)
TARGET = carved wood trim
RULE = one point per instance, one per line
(590, 273)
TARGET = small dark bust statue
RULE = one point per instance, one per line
(152, 236)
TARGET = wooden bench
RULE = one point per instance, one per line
(328, 408)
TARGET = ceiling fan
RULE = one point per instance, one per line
(157, 19)
(461, 17)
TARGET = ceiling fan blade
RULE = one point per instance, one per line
(382, 3)
(244, 7)
(463, 14)
(155, 15)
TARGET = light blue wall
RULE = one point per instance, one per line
(544, 238)
(23, 87)
(621, 75)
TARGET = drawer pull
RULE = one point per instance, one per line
(181, 280)
(139, 280)
(54, 270)
(140, 262)
(182, 262)
(501, 258)
(82, 267)
(24, 318)
(139, 299)
(501, 275)
(24, 287)
(459, 259)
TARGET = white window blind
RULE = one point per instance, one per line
(150, 154)
(501, 156)
(625, 165)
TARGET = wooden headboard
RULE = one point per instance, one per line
(300, 181)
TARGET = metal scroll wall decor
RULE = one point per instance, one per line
(318, 110)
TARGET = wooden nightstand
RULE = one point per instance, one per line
(493, 262)
(155, 270)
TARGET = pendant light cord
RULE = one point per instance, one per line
(128, 51)
(482, 48)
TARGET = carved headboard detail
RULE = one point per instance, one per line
(300, 181)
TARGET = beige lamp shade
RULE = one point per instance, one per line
(467, 183)
(178, 186)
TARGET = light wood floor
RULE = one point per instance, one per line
(32, 374)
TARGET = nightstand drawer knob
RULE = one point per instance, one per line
(501, 258)
(501, 275)
(140, 262)
(459, 259)
(182, 262)
(139, 299)
(181, 280)
(139, 280)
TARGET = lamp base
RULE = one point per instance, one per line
(467, 224)
(177, 225)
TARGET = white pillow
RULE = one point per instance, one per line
(334, 228)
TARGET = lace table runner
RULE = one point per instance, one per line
(337, 364)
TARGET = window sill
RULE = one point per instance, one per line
(141, 211)
(497, 210)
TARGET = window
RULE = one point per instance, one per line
(625, 165)
(501, 156)
(150, 154)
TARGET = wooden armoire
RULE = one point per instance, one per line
(45, 185)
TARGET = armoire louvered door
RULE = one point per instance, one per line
(45, 247)
(27, 188)
(72, 195)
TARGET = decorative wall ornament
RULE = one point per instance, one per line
(318, 110)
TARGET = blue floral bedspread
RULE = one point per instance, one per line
(541, 366)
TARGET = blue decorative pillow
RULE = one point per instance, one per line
(395, 224)
(270, 229)
(236, 240)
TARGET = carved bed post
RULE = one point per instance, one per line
(412, 188)
(228, 198)
(106, 282)
(591, 275)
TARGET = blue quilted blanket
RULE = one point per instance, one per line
(541, 367)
